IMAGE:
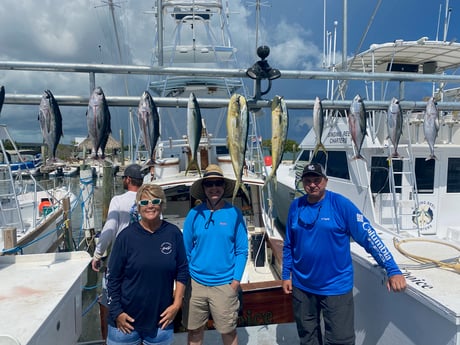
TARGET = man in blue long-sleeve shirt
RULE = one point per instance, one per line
(216, 244)
(317, 264)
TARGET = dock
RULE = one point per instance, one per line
(275, 334)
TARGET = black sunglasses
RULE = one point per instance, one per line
(308, 226)
(210, 183)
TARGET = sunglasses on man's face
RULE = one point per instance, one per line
(145, 202)
(210, 183)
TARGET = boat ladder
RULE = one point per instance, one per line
(403, 187)
(10, 211)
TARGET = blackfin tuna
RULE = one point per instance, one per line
(98, 122)
(394, 124)
(431, 125)
(2, 97)
(50, 119)
(149, 124)
(357, 124)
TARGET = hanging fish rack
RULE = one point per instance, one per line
(93, 69)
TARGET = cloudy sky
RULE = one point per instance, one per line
(82, 31)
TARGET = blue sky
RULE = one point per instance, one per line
(81, 31)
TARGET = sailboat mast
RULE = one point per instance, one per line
(160, 31)
(345, 33)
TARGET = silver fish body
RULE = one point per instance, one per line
(2, 97)
(394, 124)
(98, 121)
(237, 132)
(280, 123)
(318, 125)
(149, 124)
(431, 126)
(194, 128)
(50, 119)
(357, 124)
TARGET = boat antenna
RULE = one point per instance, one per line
(258, 5)
(439, 21)
(446, 20)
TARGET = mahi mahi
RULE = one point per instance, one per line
(237, 131)
(279, 134)
(318, 125)
(98, 121)
(50, 119)
(394, 124)
(357, 124)
(149, 124)
(431, 125)
(194, 128)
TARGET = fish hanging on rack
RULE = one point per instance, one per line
(50, 119)
(357, 119)
(194, 129)
(2, 97)
(98, 122)
(431, 125)
(318, 125)
(394, 125)
(149, 124)
(237, 131)
(280, 123)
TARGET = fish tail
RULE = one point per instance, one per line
(358, 156)
(246, 192)
(235, 190)
(317, 148)
(430, 157)
(193, 163)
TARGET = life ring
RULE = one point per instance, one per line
(44, 203)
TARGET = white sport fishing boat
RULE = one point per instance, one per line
(35, 213)
(411, 200)
(192, 20)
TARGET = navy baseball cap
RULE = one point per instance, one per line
(313, 169)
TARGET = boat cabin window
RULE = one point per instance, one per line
(424, 175)
(335, 163)
(380, 173)
(222, 150)
(453, 175)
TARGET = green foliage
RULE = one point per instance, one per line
(291, 145)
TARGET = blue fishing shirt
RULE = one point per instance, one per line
(318, 260)
(216, 254)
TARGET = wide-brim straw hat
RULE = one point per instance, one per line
(213, 171)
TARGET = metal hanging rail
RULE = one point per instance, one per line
(92, 69)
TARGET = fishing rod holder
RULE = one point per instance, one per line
(262, 70)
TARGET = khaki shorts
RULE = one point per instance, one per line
(219, 301)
